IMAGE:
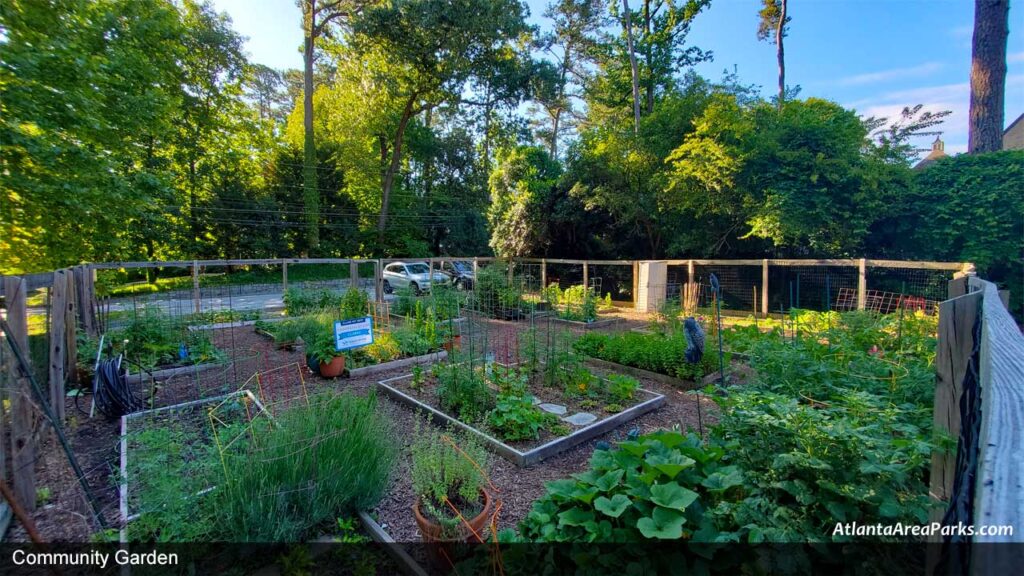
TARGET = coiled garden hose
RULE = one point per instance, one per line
(112, 395)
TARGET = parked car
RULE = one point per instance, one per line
(461, 273)
(415, 275)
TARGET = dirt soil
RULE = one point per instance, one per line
(284, 379)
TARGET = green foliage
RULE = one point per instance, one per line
(448, 469)
(463, 392)
(354, 304)
(515, 418)
(298, 301)
(664, 354)
(155, 339)
(520, 183)
(328, 459)
(836, 427)
(621, 388)
(492, 292)
(579, 303)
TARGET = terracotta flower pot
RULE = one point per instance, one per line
(433, 533)
(334, 368)
(455, 342)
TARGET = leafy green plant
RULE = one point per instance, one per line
(448, 470)
(354, 304)
(322, 461)
(155, 339)
(621, 388)
(418, 379)
(463, 391)
(515, 418)
(323, 349)
(664, 354)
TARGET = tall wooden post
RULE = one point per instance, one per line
(543, 273)
(955, 346)
(636, 281)
(862, 284)
(284, 276)
(764, 287)
(378, 280)
(23, 447)
(70, 316)
(353, 274)
(58, 342)
(586, 275)
(689, 271)
(196, 298)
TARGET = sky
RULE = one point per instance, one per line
(875, 56)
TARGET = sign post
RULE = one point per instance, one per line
(349, 334)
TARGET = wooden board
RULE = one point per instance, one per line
(23, 445)
(998, 496)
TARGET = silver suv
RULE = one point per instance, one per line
(415, 275)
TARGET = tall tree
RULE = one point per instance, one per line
(433, 49)
(772, 26)
(316, 18)
(627, 25)
(988, 75)
(569, 46)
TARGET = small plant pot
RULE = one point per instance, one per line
(455, 342)
(334, 368)
(433, 533)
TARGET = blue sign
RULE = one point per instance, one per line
(349, 334)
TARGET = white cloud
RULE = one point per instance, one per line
(1015, 57)
(953, 97)
(919, 71)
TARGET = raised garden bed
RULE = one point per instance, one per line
(595, 325)
(582, 425)
(400, 363)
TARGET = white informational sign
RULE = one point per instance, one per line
(349, 334)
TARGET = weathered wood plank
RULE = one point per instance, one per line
(862, 284)
(58, 343)
(955, 346)
(999, 491)
(23, 446)
(952, 266)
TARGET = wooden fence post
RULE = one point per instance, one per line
(196, 298)
(862, 284)
(353, 274)
(543, 273)
(586, 275)
(58, 343)
(764, 287)
(284, 276)
(378, 280)
(23, 447)
(955, 346)
(70, 328)
(689, 271)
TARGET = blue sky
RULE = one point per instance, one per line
(875, 56)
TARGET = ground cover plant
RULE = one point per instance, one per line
(446, 302)
(835, 427)
(265, 481)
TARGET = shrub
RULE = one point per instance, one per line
(622, 388)
(354, 304)
(448, 469)
(664, 354)
(385, 348)
(324, 460)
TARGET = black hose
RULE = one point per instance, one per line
(113, 396)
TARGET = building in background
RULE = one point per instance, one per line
(1013, 136)
(938, 152)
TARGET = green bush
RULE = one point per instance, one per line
(154, 339)
(515, 418)
(328, 459)
(664, 354)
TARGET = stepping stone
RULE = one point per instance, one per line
(580, 419)
(556, 409)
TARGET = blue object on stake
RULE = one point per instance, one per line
(717, 291)
(182, 351)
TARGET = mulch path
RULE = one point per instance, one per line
(96, 441)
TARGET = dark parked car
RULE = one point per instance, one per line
(461, 273)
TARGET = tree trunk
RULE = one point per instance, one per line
(648, 57)
(627, 23)
(780, 33)
(988, 76)
(389, 174)
(310, 189)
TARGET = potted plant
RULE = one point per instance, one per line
(330, 361)
(448, 478)
(451, 337)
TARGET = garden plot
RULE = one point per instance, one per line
(170, 461)
(525, 412)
